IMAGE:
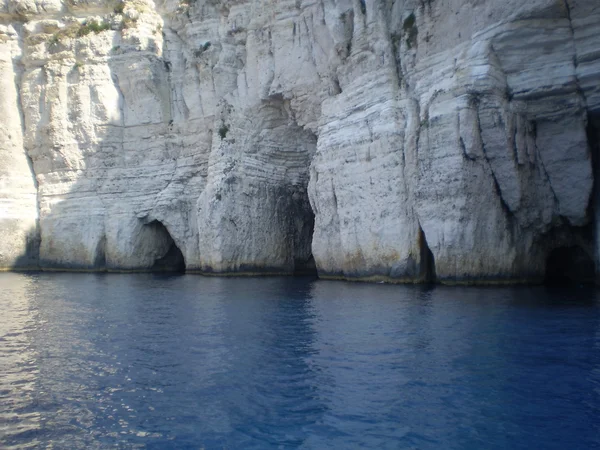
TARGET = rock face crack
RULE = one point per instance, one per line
(580, 91)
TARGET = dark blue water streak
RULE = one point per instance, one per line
(146, 361)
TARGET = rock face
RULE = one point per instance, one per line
(407, 140)
(18, 195)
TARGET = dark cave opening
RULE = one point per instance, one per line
(100, 258)
(172, 260)
(593, 136)
(307, 267)
(304, 262)
(568, 266)
(427, 272)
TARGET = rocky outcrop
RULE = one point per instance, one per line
(401, 141)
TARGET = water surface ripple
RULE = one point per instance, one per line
(147, 361)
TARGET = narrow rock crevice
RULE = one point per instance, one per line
(427, 270)
(593, 138)
(579, 89)
(304, 262)
(497, 189)
(593, 135)
(28, 221)
(100, 259)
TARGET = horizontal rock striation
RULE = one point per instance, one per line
(408, 141)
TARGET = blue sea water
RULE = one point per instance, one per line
(147, 361)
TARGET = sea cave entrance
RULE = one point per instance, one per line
(303, 225)
(427, 274)
(304, 262)
(568, 266)
(170, 259)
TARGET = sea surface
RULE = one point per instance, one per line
(187, 362)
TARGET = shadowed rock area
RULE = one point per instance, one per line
(403, 141)
(569, 265)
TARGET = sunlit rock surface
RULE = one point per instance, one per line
(18, 197)
(449, 140)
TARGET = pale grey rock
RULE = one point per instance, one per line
(412, 140)
(19, 234)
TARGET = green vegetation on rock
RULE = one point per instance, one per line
(223, 131)
(78, 30)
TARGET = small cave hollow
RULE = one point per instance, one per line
(428, 274)
(569, 266)
(304, 262)
(100, 257)
(286, 206)
(172, 260)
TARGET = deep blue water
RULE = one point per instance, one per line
(148, 361)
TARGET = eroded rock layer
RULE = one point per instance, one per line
(407, 140)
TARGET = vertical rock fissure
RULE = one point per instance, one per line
(593, 135)
(428, 273)
(304, 261)
(100, 258)
(579, 89)
(301, 211)
(33, 237)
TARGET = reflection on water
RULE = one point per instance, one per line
(98, 361)
(19, 367)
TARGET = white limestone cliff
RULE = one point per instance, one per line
(405, 140)
(18, 195)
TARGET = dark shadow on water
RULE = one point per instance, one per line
(563, 295)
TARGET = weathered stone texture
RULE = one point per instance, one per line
(410, 140)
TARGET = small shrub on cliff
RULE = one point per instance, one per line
(92, 27)
(409, 22)
(223, 130)
(78, 30)
(128, 22)
(410, 29)
(68, 32)
(119, 8)
(54, 40)
(202, 49)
